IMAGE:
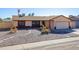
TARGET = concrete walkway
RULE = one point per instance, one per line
(30, 46)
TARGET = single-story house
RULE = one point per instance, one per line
(52, 22)
(75, 20)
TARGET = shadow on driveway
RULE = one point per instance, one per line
(62, 31)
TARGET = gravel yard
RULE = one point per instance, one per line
(29, 36)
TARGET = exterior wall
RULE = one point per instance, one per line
(61, 19)
(73, 25)
(5, 24)
(15, 23)
(15, 17)
(47, 23)
(51, 24)
(76, 23)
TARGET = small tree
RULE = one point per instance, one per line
(71, 16)
(8, 18)
(23, 14)
(31, 14)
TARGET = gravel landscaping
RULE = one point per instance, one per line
(29, 36)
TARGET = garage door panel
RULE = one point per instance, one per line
(61, 25)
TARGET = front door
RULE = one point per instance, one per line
(21, 24)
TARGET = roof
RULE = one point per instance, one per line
(62, 16)
(33, 17)
(37, 17)
(74, 18)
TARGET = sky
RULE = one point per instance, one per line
(8, 12)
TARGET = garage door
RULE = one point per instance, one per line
(61, 25)
(77, 24)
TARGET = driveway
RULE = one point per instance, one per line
(76, 31)
(29, 36)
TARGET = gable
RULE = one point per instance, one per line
(61, 18)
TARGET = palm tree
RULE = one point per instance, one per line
(18, 12)
(8, 18)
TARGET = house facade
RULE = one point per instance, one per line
(51, 22)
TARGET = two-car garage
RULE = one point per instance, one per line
(60, 22)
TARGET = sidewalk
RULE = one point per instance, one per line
(29, 46)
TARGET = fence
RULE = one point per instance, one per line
(5, 25)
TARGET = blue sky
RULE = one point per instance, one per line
(8, 12)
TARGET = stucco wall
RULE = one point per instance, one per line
(15, 23)
(51, 24)
(15, 17)
(61, 19)
(73, 25)
(47, 23)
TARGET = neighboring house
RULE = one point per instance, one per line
(75, 20)
(52, 22)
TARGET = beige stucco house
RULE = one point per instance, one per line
(52, 22)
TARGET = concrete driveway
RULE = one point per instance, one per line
(29, 36)
(76, 31)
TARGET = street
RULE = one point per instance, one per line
(29, 36)
(74, 45)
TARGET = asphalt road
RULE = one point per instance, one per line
(74, 45)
